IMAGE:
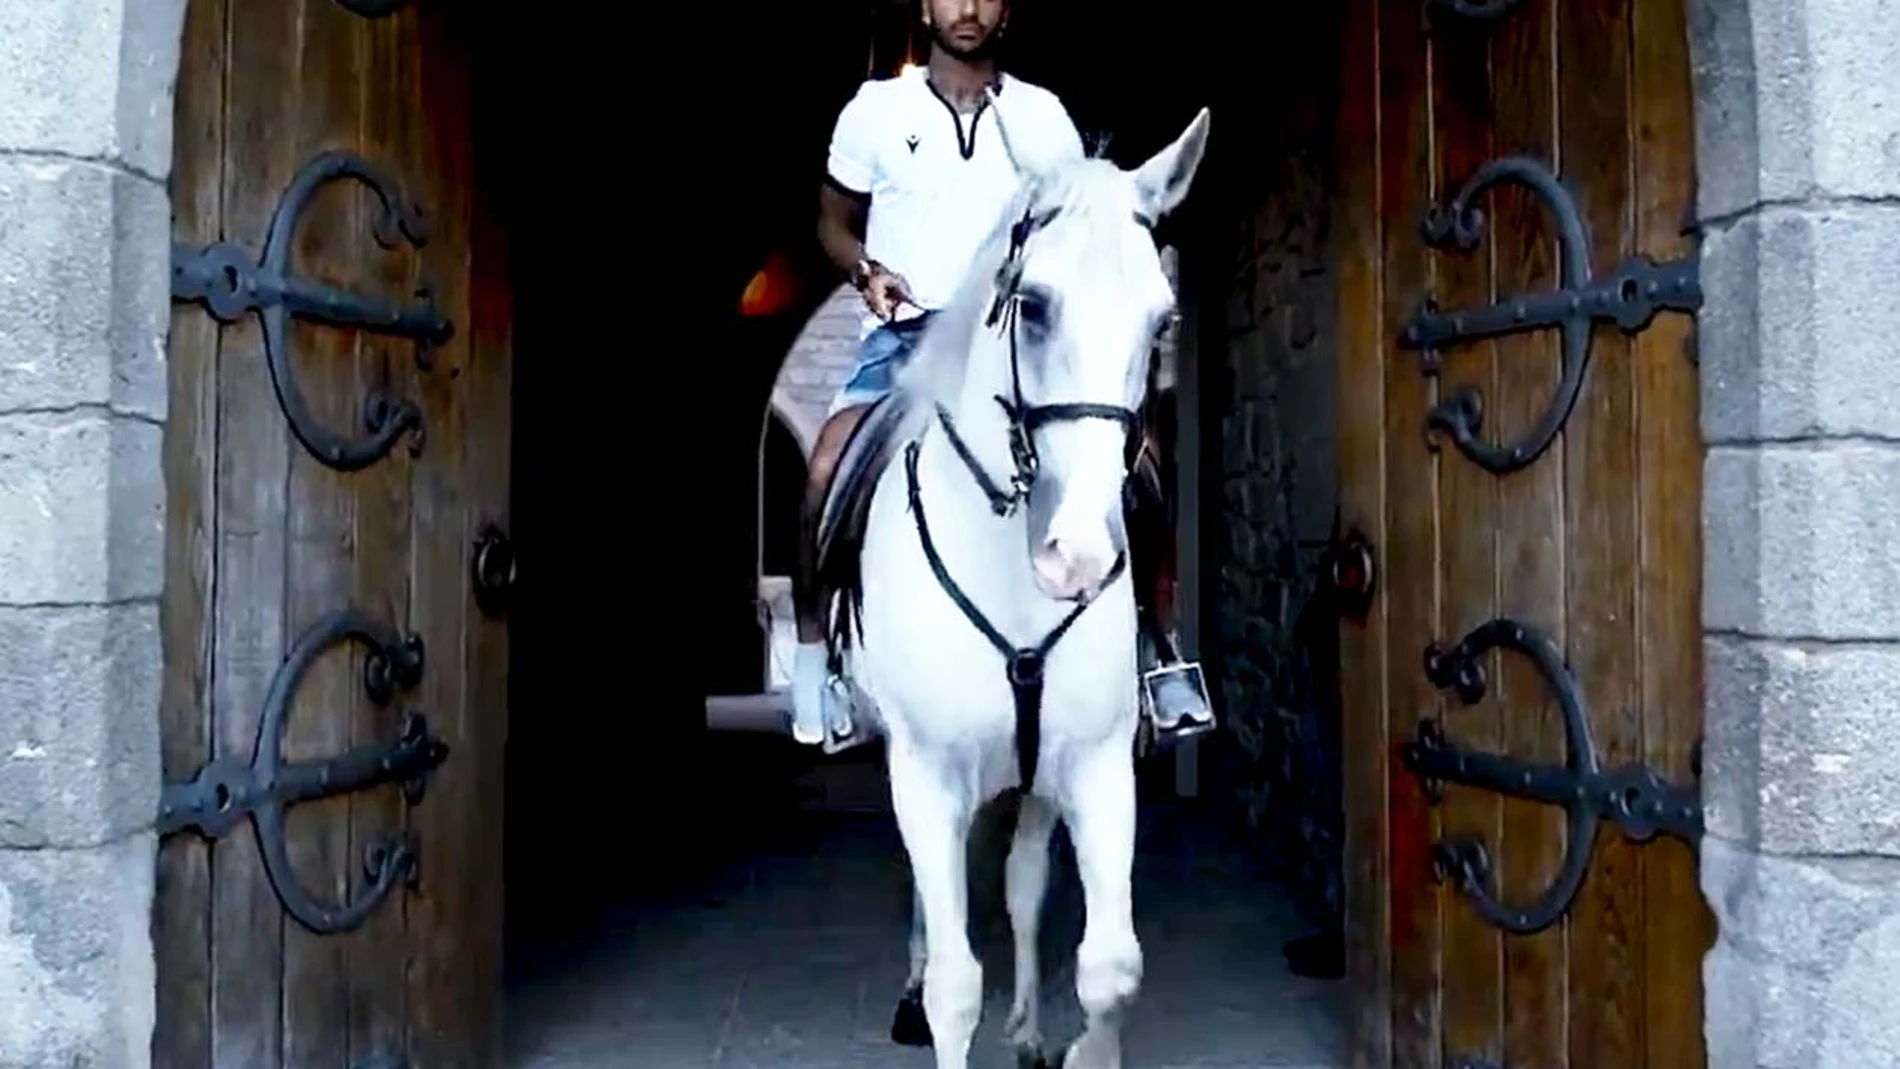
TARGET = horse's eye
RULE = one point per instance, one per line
(1033, 308)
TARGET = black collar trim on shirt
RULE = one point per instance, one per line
(966, 146)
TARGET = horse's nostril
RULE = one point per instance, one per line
(1051, 564)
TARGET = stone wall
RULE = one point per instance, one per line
(1798, 147)
(818, 363)
(1270, 405)
(85, 148)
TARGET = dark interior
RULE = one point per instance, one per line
(640, 389)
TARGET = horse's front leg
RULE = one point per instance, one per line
(908, 1026)
(1025, 881)
(935, 822)
(1098, 803)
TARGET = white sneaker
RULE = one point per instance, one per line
(810, 693)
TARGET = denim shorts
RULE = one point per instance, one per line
(882, 352)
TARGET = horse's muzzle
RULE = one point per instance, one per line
(1070, 569)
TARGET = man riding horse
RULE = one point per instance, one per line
(915, 169)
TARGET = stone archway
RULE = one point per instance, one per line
(782, 458)
(1795, 125)
(817, 363)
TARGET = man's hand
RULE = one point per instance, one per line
(884, 290)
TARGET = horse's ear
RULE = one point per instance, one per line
(1163, 181)
(1031, 171)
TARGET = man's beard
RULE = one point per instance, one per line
(985, 50)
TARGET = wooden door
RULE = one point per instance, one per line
(1588, 549)
(360, 931)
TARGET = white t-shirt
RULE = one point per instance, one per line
(936, 190)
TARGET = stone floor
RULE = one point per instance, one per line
(792, 957)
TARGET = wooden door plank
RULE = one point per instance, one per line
(387, 108)
(1601, 479)
(1411, 549)
(321, 508)
(1679, 927)
(445, 999)
(1468, 495)
(253, 464)
(1364, 349)
(1531, 531)
(181, 918)
(488, 468)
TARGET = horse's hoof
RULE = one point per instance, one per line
(909, 1026)
(1030, 1056)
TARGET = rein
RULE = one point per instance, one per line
(1023, 664)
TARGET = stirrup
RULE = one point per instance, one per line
(1167, 730)
(842, 731)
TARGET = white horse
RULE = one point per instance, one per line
(995, 623)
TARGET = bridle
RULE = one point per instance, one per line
(1025, 419)
(1024, 664)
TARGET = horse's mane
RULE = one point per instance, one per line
(934, 375)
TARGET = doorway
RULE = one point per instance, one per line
(775, 933)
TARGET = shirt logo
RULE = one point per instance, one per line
(911, 143)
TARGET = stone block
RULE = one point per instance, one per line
(135, 548)
(77, 971)
(84, 286)
(1803, 973)
(82, 508)
(1795, 337)
(1797, 540)
(1800, 747)
(1794, 101)
(79, 702)
(804, 374)
(91, 79)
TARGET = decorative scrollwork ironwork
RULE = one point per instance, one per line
(1468, 10)
(222, 277)
(1629, 296)
(374, 9)
(1633, 797)
(228, 790)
